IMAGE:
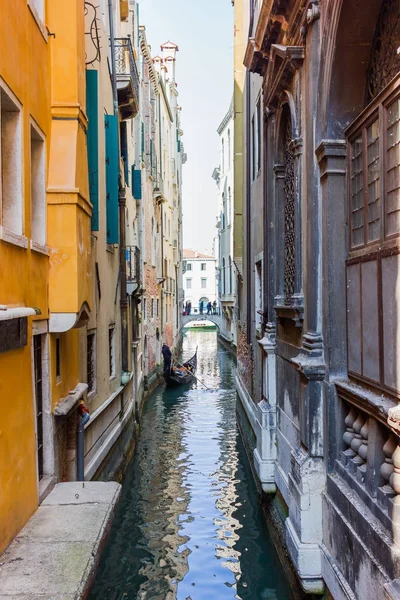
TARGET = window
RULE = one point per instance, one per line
(223, 212)
(223, 276)
(203, 266)
(229, 209)
(189, 267)
(203, 282)
(223, 157)
(258, 295)
(188, 284)
(111, 351)
(374, 260)
(152, 308)
(367, 162)
(91, 362)
(38, 187)
(38, 383)
(11, 187)
(58, 359)
(158, 307)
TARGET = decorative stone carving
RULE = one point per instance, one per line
(384, 62)
(386, 469)
(357, 441)
(395, 476)
(313, 12)
(349, 434)
(289, 215)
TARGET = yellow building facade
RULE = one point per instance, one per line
(44, 248)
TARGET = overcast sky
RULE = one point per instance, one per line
(203, 31)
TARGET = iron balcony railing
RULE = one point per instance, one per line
(133, 270)
(125, 64)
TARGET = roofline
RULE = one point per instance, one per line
(226, 119)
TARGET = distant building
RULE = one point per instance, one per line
(199, 281)
(226, 277)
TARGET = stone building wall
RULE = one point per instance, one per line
(327, 426)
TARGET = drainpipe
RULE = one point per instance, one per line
(112, 46)
(80, 442)
(248, 223)
(122, 266)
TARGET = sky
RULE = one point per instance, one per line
(203, 31)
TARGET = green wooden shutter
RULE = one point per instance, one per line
(92, 103)
(112, 168)
(137, 183)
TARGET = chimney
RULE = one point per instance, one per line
(168, 53)
(157, 61)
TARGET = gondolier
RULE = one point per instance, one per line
(181, 374)
(167, 355)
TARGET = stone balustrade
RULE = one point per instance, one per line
(369, 461)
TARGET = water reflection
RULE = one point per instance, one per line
(189, 526)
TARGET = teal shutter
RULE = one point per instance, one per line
(124, 150)
(137, 183)
(112, 168)
(92, 111)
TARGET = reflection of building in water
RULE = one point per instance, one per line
(227, 503)
(163, 499)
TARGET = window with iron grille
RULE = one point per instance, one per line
(111, 351)
(38, 383)
(373, 162)
(91, 362)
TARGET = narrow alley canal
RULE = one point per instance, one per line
(189, 525)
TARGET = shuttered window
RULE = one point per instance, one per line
(112, 169)
(92, 96)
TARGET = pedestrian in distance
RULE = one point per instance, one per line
(201, 306)
(209, 308)
(189, 308)
(215, 307)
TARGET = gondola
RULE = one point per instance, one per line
(182, 376)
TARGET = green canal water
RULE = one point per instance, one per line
(189, 525)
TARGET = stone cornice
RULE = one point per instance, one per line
(283, 62)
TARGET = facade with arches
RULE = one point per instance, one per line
(318, 342)
(226, 274)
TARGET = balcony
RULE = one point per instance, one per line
(127, 78)
(133, 270)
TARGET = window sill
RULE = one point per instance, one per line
(110, 248)
(42, 249)
(39, 21)
(13, 238)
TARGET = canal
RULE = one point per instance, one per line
(189, 525)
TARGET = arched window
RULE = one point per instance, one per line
(289, 210)
(223, 277)
(230, 275)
